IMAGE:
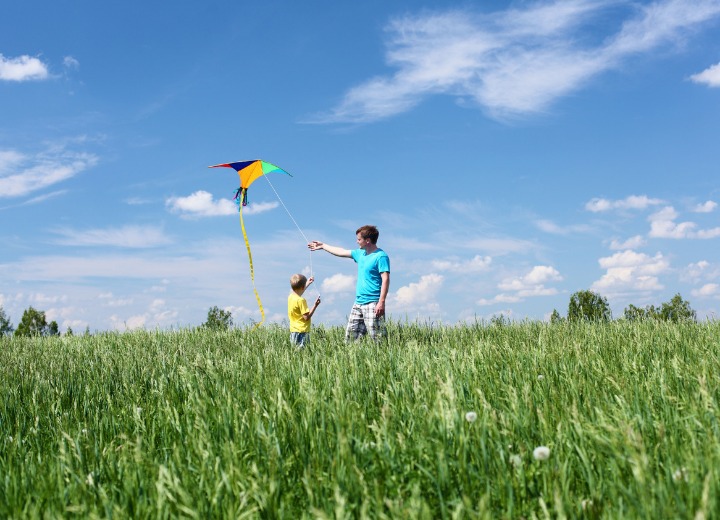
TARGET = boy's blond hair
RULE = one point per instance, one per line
(298, 281)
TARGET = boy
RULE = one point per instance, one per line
(298, 313)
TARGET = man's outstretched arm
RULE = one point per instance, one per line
(333, 250)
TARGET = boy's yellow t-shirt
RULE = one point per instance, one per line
(297, 306)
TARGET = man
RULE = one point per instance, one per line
(368, 312)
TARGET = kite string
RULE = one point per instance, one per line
(293, 219)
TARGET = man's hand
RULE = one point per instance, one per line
(315, 245)
(380, 309)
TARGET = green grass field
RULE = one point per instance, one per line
(237, 424)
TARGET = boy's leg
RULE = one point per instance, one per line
(356, 324)
(297, 339)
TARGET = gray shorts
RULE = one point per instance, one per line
(362, 321)
(299, 339)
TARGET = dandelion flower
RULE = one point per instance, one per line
(681, 474)
(471, 417)
(540, 377)
(516, 460)
(586, 504)
(541, 453)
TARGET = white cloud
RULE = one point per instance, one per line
(338, 283)
(21, 175)
(156, 314)
(126, 236)
(500, 298)
(529, 285)
(24, 68)
(630, 271)
(630, 243)
(202, 204)
(476, 264)
(706, 207)
(420, 294)
(709, 77)
(663, 225)
(511, 62)
(709, 290)
(699, 271)
(598, 205)
(533, 280)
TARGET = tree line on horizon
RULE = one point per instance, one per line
(583, 306)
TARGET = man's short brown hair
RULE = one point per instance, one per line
(370, 232)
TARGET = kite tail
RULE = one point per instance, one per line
(240, 197)
(252, 271)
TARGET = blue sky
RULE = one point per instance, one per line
(511, 153)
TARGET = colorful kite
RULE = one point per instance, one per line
(249, 171)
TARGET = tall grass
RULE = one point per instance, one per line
(238, 424)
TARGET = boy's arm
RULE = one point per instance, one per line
(309, 314)
(333, 250)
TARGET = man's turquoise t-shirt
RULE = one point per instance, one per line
(369, 281)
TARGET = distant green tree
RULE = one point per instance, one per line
(677, 310)
(69, 331)
(500, 320)
(6, 327)
(588, 306)
(555, 317)
(53, 329)
(633, 313)
(32, 323)
(218, 319)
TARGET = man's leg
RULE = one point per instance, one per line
(374, 325)
(356, 324)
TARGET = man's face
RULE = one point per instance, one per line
(362, 242)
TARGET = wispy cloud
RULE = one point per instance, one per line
(22, 68)
(71, 63)
(476, 264)
(21, 174)
(126, 236)
(709, 77)
(202, 204)
(630, 243)
(639, 202)
(548, 226)
(512, 62)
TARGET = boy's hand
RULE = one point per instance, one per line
(315, 245)
(317, 302)
(310, 280)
